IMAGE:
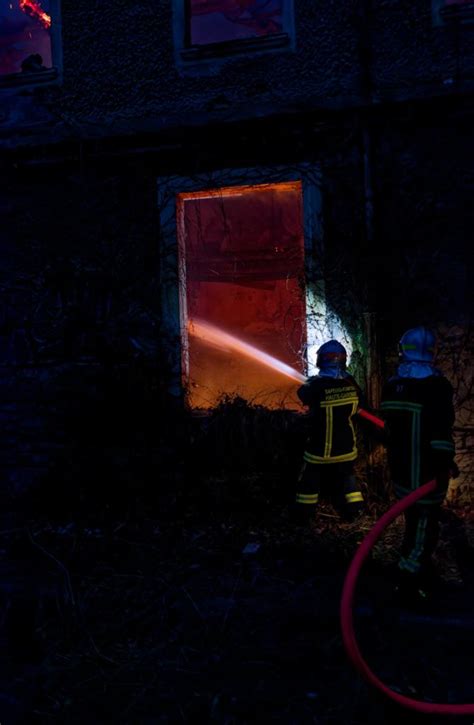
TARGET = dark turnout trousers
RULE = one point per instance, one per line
(420, 539)
(335, 482)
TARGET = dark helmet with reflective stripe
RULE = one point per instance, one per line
(417, 345)
(331, 354)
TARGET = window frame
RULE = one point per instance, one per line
(212, 55)
(50, 75)
(168, 189)
(443, 14)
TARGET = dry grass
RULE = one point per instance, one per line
(152, 612)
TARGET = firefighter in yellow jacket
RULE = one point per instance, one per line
(333, 398)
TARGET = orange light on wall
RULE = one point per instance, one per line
(241, 262)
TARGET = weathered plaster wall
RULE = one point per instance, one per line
(410, 55)
(120, 72)
(144, 80)
(80, 254)
(405, 51)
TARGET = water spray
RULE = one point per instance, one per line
(225, 341)
(230, 343)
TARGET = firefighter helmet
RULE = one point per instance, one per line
(330, 355)
(417, 345)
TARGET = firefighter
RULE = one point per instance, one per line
(333, 397)
(417, 404)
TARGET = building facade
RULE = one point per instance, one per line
(190, 184)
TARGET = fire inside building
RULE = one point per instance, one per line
(197, 197)
(242, 253)
(25, 33)
(243, 271)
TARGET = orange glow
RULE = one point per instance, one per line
(225, 341)
(226, 191)
(34, 9)
(242, 293)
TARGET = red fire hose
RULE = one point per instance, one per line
(347, 626)
(371, 417)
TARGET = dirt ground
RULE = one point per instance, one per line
(200, 614)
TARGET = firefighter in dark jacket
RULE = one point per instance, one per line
(333, 397)
(417, 405)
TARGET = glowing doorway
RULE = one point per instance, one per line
(241, 254)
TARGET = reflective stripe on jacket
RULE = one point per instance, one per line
(419, 414)
(332, 404)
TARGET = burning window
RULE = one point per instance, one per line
(242, 293)
(25, 36)
(214, 21)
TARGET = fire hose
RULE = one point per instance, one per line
(215, 336)
(346, 615)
